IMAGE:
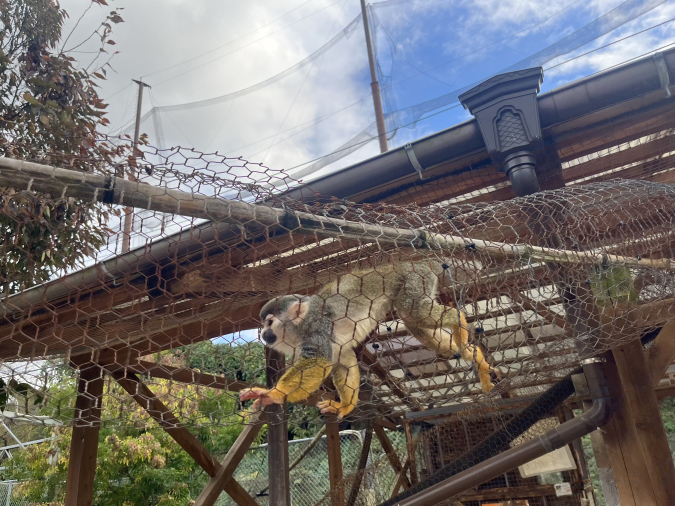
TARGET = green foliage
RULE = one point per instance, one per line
(245, 362)
(668, 416)
(49, 112)
(613, 283)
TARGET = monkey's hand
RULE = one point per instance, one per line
(338, 408)
(263, 396)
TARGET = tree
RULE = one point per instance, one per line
(138, 463)
(50, 112)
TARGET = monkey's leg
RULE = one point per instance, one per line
(302, 378)
(440, 341)
(346, 378)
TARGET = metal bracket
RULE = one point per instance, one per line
(664, 77)
(594, 360)
(413, 160)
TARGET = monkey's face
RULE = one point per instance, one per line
(280, 323)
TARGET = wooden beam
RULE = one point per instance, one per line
(236, 453)
(84, 444)
(661, 353)
(334, 461)
(400, 478)
(168, 421)
(410, 443)
(277, 436)
(189, 376)
(391, 454)
(642, 437)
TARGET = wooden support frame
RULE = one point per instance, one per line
(84, 444)
(412, 460)
(168, 421)
(334, 461)
(642, 437)
(234, 456)
(277, 436)
(391, 455)
(400, 478)
(661, 353)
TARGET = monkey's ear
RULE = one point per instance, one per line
(298, 311)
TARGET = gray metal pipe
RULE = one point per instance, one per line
(573, 100)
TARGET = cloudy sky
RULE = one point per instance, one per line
(428, 50)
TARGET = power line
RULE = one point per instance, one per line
(230, 42)
(611, 43)
(245, 45)
(457, 105)
(373, 138)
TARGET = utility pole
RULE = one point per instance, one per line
(129, 211)
(374, 85)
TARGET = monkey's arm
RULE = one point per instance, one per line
(301, 379)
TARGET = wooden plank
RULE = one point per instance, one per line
(189, 376)
(506, 493)
(605, 471)
(277, 436)
(622, 448)
(84, 444)
(643, 409)
(334, 461)
(391, 454)
(661, 353)
(400, 478)
(414, 478)
(215, 486)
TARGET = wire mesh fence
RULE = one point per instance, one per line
(443, 304)
(9, 497)
(447, 295)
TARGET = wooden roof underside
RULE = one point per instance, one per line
(119, 320)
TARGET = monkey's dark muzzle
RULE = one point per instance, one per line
(269, 337)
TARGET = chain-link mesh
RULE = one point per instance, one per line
(9, 496)
(309, 478)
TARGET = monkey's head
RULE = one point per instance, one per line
(281, 318)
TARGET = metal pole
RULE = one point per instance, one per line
(375, 86)
(128, 212)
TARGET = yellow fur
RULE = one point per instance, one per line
(301, 379)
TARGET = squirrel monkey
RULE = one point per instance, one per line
(324, 329)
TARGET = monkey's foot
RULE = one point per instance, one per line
(487, 387)
(341, 410)
(262, 396)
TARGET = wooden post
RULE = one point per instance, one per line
(337, 497)
(374, 85)
(605, 471)
(641, 435)
(661, 353)
(414, 478)
(277, 436)
(84, 445)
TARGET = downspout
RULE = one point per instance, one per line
(506, 109)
